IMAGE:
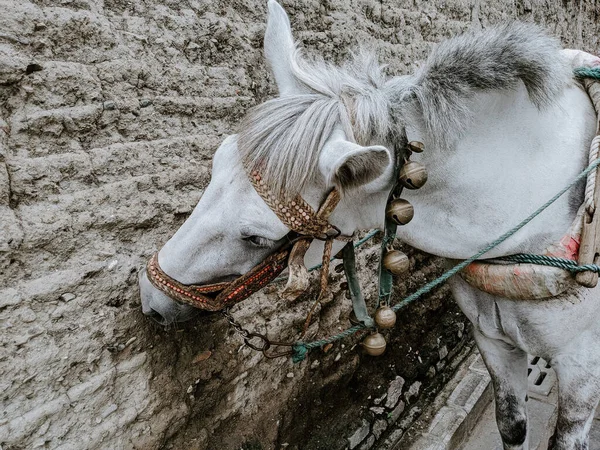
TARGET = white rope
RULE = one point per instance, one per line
(590, 185)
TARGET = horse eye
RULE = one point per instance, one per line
(258, 241)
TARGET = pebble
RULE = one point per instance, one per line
(413, 391)
(27, 315)
(290, 375)
(338, 357)
(190, 389)
(109, 105)
(443, 352)
(378, 401)
(67, 297)
(316, 363)
(377, 409)
(394, 392)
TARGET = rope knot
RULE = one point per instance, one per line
(299, 352)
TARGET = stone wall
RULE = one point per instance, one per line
(110, 111)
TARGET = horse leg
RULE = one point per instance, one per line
(507, 366)
(578, 395)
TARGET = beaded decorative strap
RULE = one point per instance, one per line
(295, 213)
(224, 294)
(195, 295)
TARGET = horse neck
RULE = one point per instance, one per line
(513, 158)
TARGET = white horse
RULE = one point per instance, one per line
(504, 127)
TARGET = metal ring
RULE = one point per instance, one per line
(266, 344)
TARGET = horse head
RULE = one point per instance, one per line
(328, 128)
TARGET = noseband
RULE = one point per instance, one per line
(223, 294)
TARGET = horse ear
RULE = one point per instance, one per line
(347, 165)
(279, 49)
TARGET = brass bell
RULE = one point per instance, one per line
(396, 262)
(413, 175)
(385, 317)
(400, 211)
(374, 344)
(416, 146)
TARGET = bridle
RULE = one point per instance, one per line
(296, 214)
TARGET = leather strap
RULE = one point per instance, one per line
(295, 213)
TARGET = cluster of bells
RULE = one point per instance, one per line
(412, 176)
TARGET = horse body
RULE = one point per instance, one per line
(496, 149)
(512, 159)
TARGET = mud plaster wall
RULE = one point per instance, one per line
(109, 114)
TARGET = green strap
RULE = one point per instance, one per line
(358, 301)
(386, 280)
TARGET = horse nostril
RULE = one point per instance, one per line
(155, 315)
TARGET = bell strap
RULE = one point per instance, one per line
(224, 294)
(386, 280)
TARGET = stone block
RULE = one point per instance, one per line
(368, 443)
(359, 435)
(394, 392)
(396, 412)
(379, 427)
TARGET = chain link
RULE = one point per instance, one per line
(237, 327)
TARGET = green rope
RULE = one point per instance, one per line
(300, 349)
(551, 261)
(587, 72)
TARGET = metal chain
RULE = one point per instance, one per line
(237, 327)
(246, 335)
(265, 343)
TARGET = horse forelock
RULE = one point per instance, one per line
(283, 137)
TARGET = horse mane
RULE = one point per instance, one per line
(485, 60)
(283, 137)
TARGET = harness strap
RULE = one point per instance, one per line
(358, 301)
(295, 213)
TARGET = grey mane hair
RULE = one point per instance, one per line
(283, 137)
(493, 59)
